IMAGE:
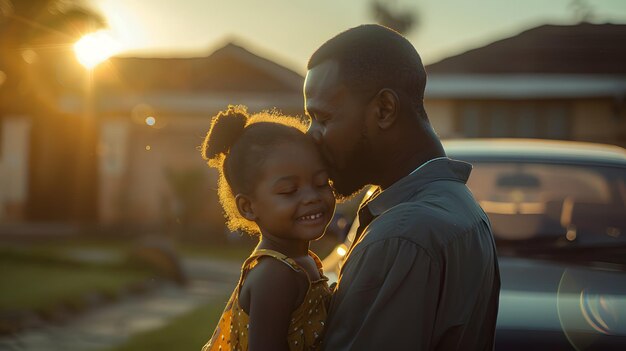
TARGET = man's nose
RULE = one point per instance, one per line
(315, 132)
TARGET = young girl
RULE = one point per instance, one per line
(272, 182)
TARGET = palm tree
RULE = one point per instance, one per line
(401, 21)
(31, 33)
(582, 10)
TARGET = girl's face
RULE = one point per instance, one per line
(293, 199)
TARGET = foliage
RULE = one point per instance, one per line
(32, 32)
(401, 21)
(582, 10)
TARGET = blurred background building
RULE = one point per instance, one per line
(557, 82)
(117, 145)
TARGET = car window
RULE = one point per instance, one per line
(532, 201)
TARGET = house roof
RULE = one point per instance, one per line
(584, 48)
(197, 85)
(228, 69)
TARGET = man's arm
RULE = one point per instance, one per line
(387, 299)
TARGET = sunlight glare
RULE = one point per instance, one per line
(342, 250)
(94, 48)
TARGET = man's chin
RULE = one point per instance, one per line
(346, 190)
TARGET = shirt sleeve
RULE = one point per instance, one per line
(386, 299)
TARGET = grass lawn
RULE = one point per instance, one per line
(28, 285)
(187, 332)
(41, 276)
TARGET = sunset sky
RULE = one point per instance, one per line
(288, 31)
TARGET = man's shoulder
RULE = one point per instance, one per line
(427, 224)
(409, 216)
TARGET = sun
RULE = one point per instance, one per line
(94, 48)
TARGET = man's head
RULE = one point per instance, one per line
(358, 86)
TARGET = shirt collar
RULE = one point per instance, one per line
(441, 168)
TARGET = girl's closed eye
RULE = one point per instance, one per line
(287, 190)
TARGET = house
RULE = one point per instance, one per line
(552, 81)
(127, 150)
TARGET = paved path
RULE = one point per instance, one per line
(112, 325)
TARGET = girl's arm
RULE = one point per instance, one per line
(273, 291)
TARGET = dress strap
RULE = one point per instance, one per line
(275, 254)
(318, 263)
(253, 260)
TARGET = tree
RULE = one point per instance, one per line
(32, 31)
(401, 21)
(582, 10)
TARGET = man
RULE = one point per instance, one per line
(422, 273)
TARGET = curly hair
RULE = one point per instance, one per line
(236, 145)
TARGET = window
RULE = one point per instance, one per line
(514, 119)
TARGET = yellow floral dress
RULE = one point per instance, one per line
(307, 321)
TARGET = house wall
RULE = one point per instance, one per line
(441, 114)
(595, 120)
(113, 148)
(599, 120)
(154, 176)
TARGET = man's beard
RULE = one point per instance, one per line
(355, 174)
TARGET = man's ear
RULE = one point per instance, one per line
(244, 206)
(387, 107)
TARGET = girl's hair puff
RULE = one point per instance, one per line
(225, 129)
(236, 145)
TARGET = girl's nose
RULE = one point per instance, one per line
(311, 195)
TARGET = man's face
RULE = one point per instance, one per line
(338, 126)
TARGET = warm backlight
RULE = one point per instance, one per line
(342, 250)
(94, 48)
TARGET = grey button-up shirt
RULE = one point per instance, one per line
(424, 273)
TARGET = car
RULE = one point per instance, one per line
(558, 214)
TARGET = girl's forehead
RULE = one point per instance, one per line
(299, 158)
(302, 146)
